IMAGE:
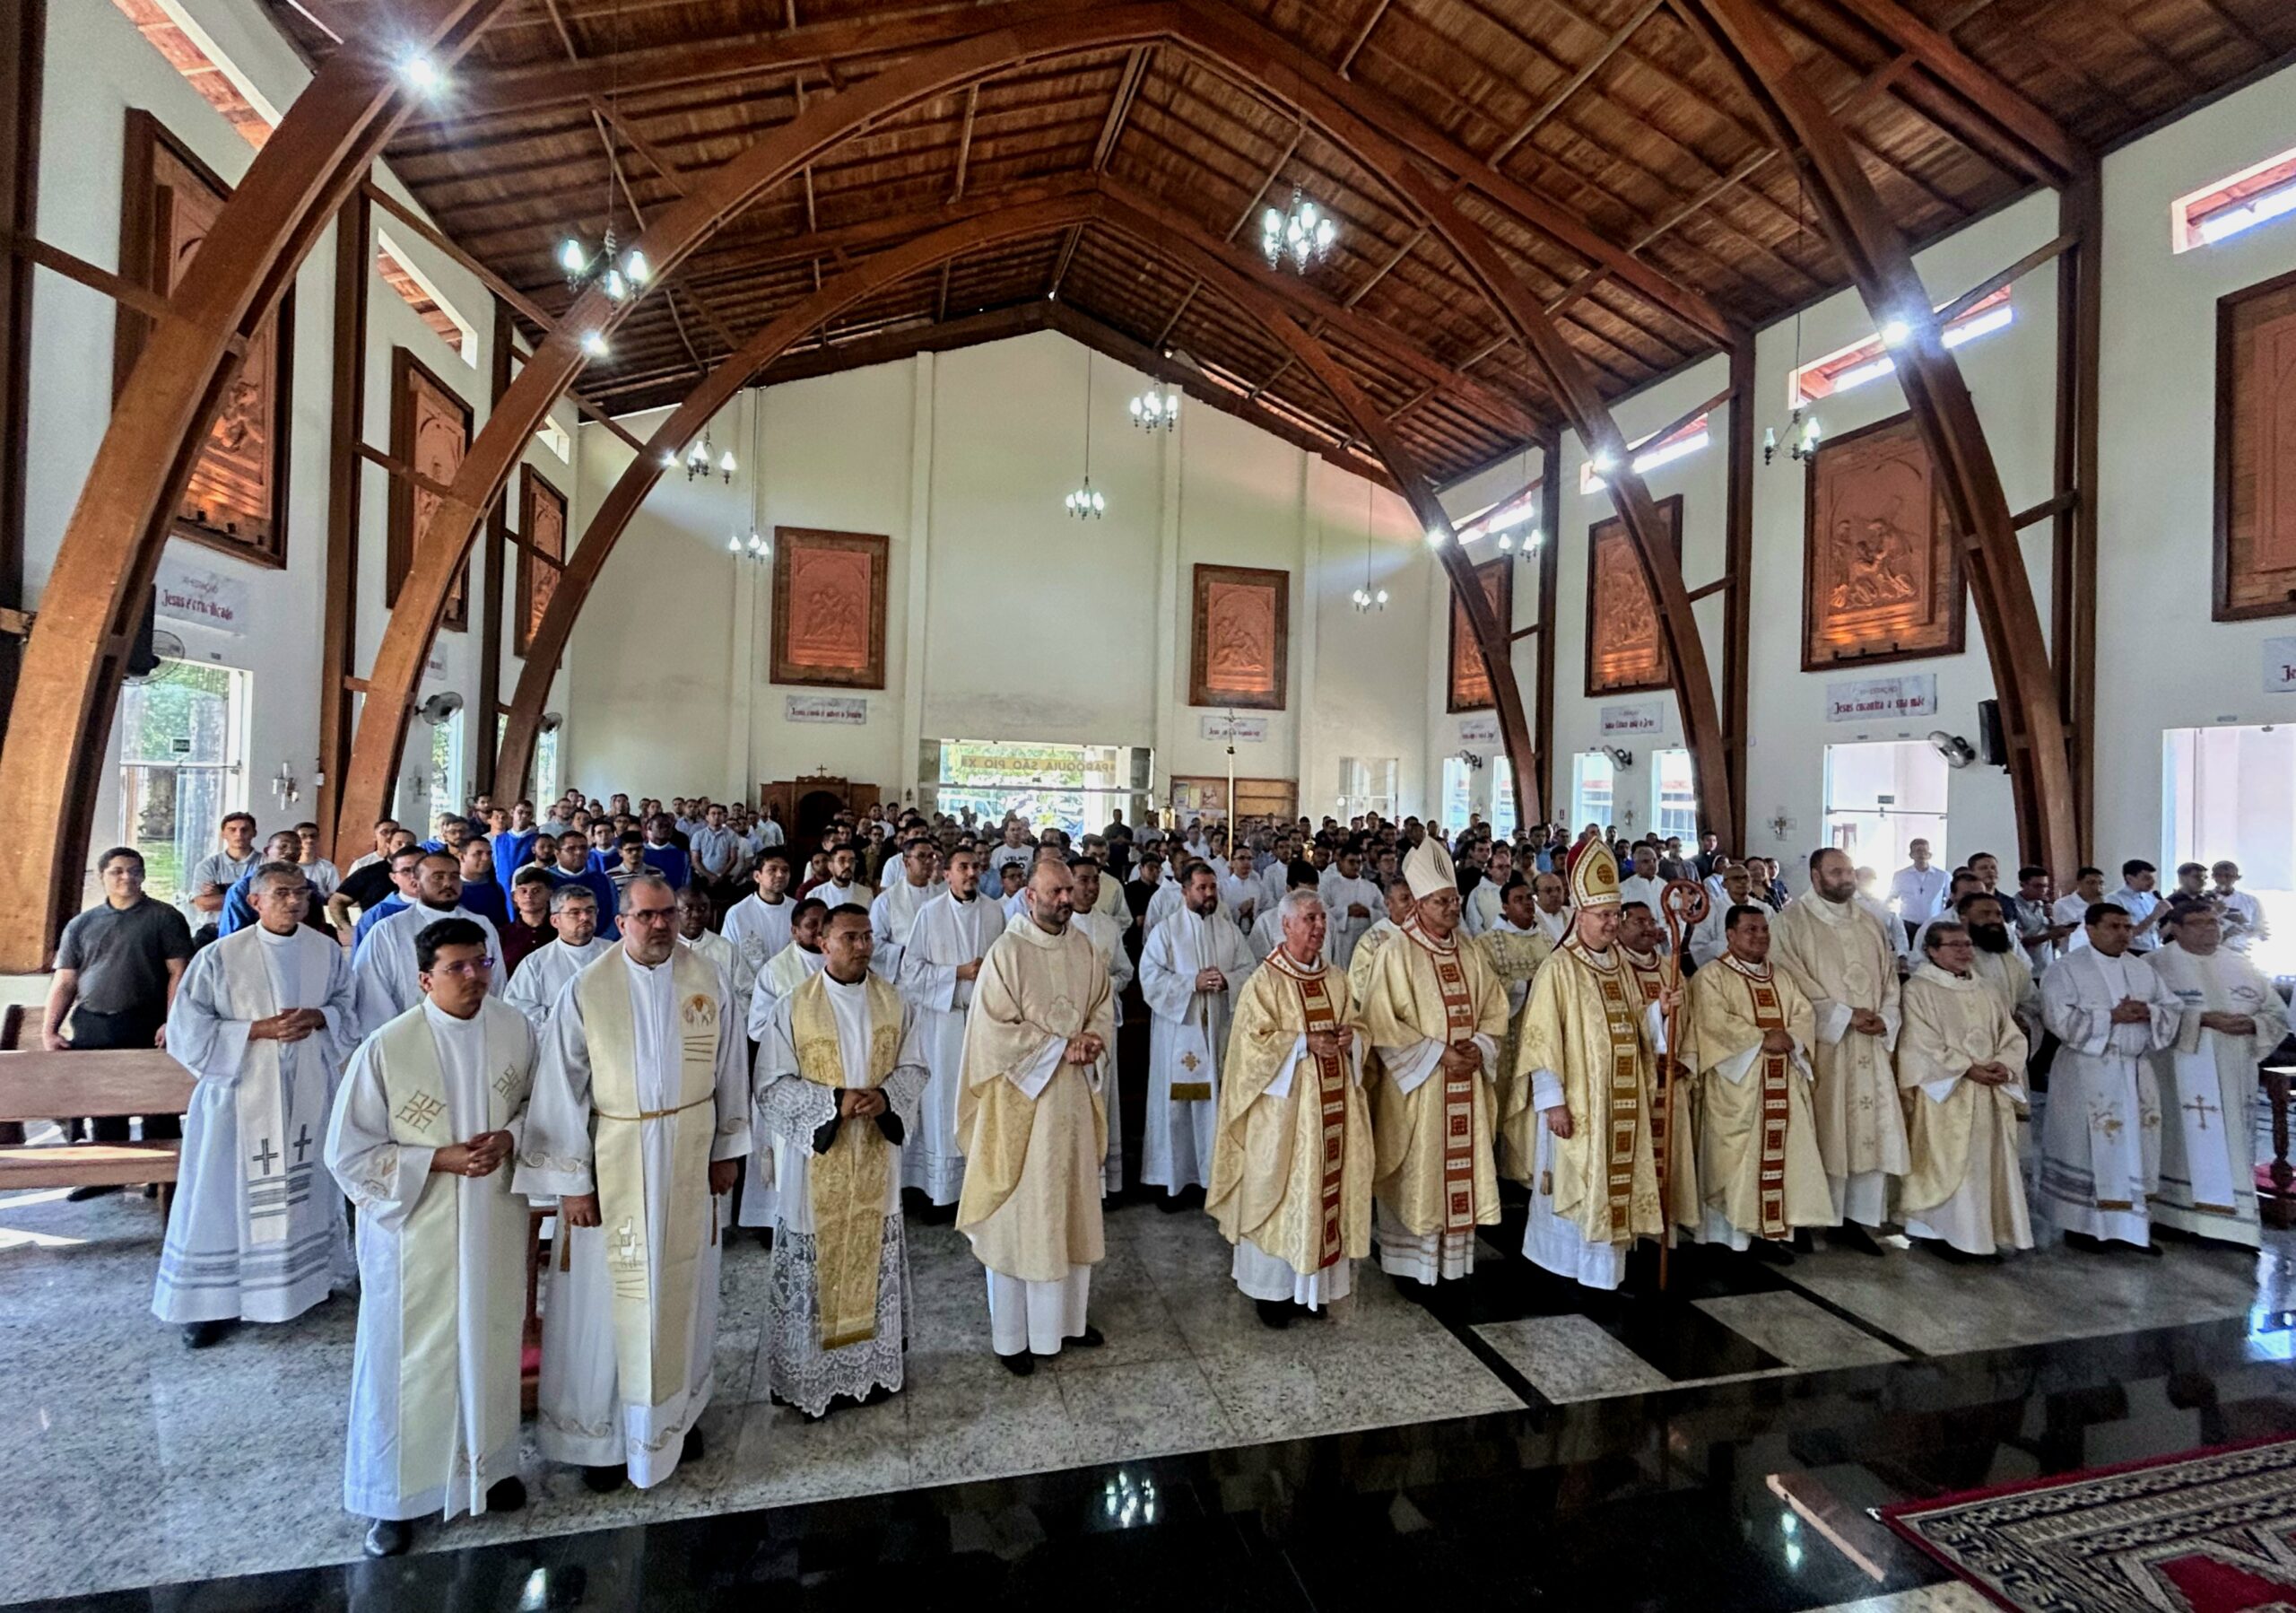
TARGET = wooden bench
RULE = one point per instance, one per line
(38, 1085)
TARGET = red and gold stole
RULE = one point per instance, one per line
(1621, 1013)
(1769, 1015)
(1331, 1099)
(1458, 1089)
(1650, 980)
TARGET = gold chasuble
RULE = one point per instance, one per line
(1292, 1174)
(1031, 1199)
(430, 1263)
(653, 1309)
(1584, 1023)
(847, 1184)
(1759, 1144)
(1434, 1169)
(1951, 1023)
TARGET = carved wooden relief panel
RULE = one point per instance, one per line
(1470, 682)
(1881, 570)
(828, 607)
(541, 555)
(430, 429)
(236, 500)
(2256, 451)
(1625, 651)
(1240, 638)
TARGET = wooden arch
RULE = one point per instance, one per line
(1257, 60)
(68, 686)
(2041, 767)
(1104, 205)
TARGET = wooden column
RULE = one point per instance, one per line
(2072, 570)
(354, 252)
(1738, 577)
(492, 584)
(1550, 573)
(24, 52)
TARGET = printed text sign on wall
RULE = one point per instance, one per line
(1640, 717)
(2279, 665)
(846, 710)
(202, 595)
(1881, 699)
(1246, 730)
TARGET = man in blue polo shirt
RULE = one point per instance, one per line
(573, 866)
(663, 856)
(513, 840)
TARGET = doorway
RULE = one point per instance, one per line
(182, 766)
(2231, 792)
(1880, 796)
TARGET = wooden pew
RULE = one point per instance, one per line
(37, 1084)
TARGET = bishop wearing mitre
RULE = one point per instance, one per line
(1757, 1162)
(1961, 1062)
(1586, 1067)
(639, 1119)
(1291, 1165)
(1031, 1124)
(1434, 1014)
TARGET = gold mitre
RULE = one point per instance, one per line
(1429, 870)
(1594, 877)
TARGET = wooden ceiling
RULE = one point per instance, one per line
(1587, 129)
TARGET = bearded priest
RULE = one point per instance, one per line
(1435, 1013)
(1292, 1165)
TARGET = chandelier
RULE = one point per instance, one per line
(756, 546)
(697, 459)
(1802, 428)
(1087, 501)
(1303, 233)
(619, 275)
(1366, 597)
(1155, 410)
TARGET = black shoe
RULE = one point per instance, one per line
(1091, 1338)
(1851, 1236)
(1771, 1252)
(388, 1538)
(1310, 1313)
(692, 1450)
(1172, 1203)
(1020, 1365)
(507, 1496)
(81, 1195)
(764, 1236)
(603, 1481)
(2083, 1242)
(1274, 1312)
(199, 1335)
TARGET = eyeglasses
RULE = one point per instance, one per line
(465, 968)
(651, 915)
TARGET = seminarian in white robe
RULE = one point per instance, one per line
(256, 1231)
(1188, 1036)
(783, 973)
(2208, 1084)
(1161, 905)
(442, 1258)
(891, 916)
(839, 1323)
(758, 929)
(950, 931)
(1107, 937)
(384, 962)
(1346, 930)
(640, 1090)
(543, 972)
(2101, 1129)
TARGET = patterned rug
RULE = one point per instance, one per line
(2213, 1531)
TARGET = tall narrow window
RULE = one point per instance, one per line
(182, 766)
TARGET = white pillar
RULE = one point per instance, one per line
(1169, 605)
(908, 777)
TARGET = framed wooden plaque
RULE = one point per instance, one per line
(542, 553)
(828, 607)
(1470, 680)
(2256, 451)
(1240, 643)
(1626, 654)
(1881, 567)
(236, 500)
(431, 428)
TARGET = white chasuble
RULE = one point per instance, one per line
(2208, 1084)
(2100, 1126)
(1839, 956)
(434, 1383)
(639, 1087)
(1186, 1035)
(255, 1231)
(1965, 1188)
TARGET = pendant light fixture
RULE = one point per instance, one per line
(1368, 598)
(1803, 431)
(620, 275)
(1087, 501)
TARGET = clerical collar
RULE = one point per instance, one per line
(848, 985)
(273, 938)
(450, 1022)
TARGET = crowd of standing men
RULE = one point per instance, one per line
(668, 1024)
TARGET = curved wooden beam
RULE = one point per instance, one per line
(2040, 768)
(1246, 51)
(69, 683)
(604, 529)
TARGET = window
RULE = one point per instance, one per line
(193, 55)
(1673, 805)
(1070, 787)
(1458, 786)
(547, 786)
(1367, 784)
(182, 755)
(1502, 799)
(2256, 194)
(415, 290)
(1592, 778)
(2225, 794)
(447, 765)
(1505, 519)
(1871, 358)
(1883, 796)
(1681, 442)
(553, 436)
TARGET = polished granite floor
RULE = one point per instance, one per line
(1715, 1447)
